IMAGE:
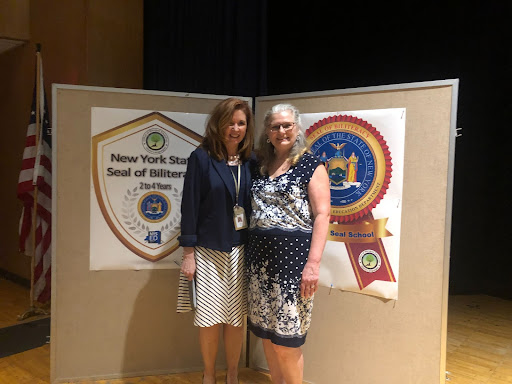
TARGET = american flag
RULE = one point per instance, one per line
(36, 170)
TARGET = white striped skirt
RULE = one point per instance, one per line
(221, 288)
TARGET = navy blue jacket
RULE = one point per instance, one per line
(208, 200)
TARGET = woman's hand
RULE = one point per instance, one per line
(188, 264)
(320, 199)
(309, 282)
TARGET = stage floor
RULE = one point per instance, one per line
(479, 346)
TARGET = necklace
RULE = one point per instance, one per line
(234, 160)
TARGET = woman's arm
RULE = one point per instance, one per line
(320, 198)
(191, 199)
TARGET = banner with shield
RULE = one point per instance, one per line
(137, 169)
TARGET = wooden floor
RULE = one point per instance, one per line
(479, 348)
(14, 301)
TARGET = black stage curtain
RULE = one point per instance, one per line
(221, 47)
(204, 46)
(356, 44)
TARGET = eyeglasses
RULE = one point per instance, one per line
(277, 127)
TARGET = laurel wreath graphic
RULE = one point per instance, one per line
(168, 229)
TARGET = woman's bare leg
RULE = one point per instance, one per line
(273, 363)
(209, 339)
(291, 363)
(233, 338)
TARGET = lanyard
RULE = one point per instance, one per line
(237, 183)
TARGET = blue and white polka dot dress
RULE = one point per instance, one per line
(279, 241)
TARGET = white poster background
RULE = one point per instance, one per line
(336, 269)
(106, 250)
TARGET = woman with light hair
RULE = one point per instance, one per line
(288, 229)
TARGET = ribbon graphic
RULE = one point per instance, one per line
(358, 162)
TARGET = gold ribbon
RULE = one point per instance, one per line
(366, 232)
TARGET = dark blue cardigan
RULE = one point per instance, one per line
(208, 200)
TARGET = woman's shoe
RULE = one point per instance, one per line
(237, 381)
(202, 380)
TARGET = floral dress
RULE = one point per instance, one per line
(279, 242)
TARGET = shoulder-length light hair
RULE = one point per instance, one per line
(266, 149)
(219, 121)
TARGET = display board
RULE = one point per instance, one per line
(111, 323)
(357, 338)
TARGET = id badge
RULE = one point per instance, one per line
(239, 218)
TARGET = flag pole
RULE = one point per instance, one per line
(34, 209)
(35, 310)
